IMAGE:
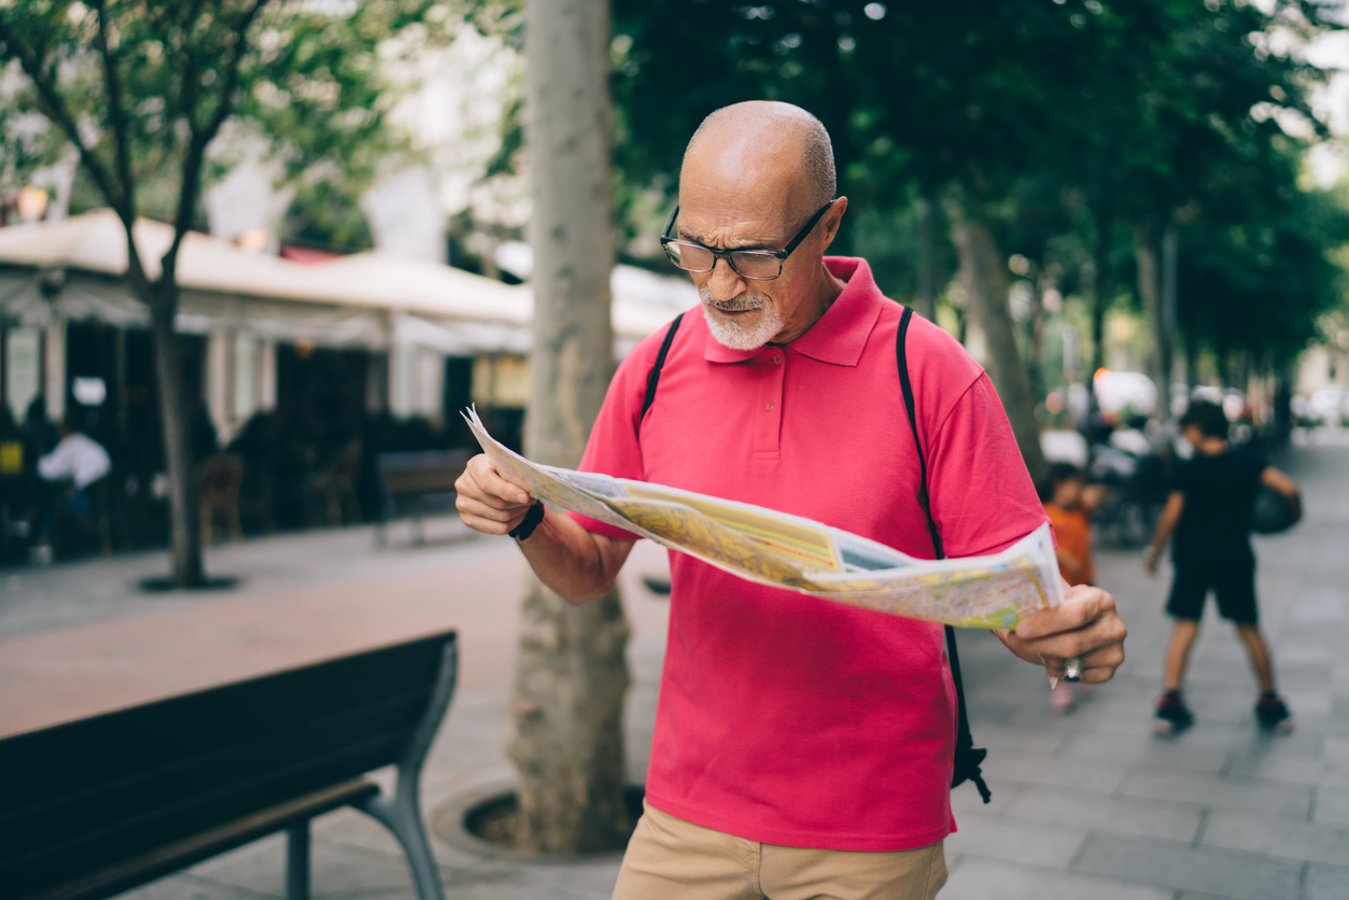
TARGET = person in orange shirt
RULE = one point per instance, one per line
(1068, 502)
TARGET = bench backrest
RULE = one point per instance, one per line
(421, 473)
(80, 796)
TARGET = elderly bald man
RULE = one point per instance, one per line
(802, 748)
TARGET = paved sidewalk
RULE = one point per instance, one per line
(1085, 805)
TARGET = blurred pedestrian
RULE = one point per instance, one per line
(801, 748)
(1209, 514)
(1068, 501)
(74, 465)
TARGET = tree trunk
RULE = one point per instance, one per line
(1147, 257)
(1035, 336)
(1191, 363)
(571, 672)
(1101, 288)
(1282, 411)
(929, 251)
(1166, 326)
(184, 525)
(984, 276)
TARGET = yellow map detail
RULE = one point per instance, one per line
(810, 545)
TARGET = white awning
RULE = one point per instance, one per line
(367, 299)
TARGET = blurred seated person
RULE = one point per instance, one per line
(11, 444)
(68, 472)
(12, 481)
(36, 431)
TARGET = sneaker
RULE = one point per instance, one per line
(1172, 715)
(1273, 714)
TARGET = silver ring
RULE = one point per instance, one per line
(1072, 669)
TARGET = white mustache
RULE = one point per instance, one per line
(742, 303)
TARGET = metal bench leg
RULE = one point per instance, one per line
(297, 862)
(402, 816)
(401, 813)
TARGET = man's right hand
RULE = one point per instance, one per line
(576, 564)
(486, 501)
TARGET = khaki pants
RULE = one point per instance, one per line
(670, 858)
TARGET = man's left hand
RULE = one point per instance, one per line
(1085, 625)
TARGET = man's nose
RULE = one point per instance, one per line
(723, 281)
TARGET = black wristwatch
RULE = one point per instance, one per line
(529, 522)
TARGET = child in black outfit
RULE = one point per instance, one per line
(1209, 510)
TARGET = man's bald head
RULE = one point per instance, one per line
(771, 140)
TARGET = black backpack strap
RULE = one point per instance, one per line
(654, 378)
(968, 757)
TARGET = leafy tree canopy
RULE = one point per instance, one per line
(143, 88)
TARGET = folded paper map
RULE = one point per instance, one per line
(787, 551)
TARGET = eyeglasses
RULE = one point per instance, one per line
(755, 265)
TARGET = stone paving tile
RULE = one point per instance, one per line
(1326, 882)
(584, 880)
(448, 783)
(1272, 836)
(1059, 772)
(1330, 770)
(1301, 744)
(965, 800)
(517, 891)
(1334, 726)
(1319, 606)
(1085, 811)
(348, 828)
(1219, 792)
(983, 879)
(273, 847)
(1205, 754)
(1236, 707)
(1311, 702)
(190, 887)
(336, 870)
(1014, 841)
(1000, 739)
(1330, 806)
(1131, 724)
(1162, 864)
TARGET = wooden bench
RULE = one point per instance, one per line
(99, 805)
(414, 484)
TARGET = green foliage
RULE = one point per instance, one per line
(1256, 280)
(143, 87)
(1054, 117)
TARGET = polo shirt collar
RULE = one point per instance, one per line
(841, 333)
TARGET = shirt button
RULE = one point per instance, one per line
(768, 406)
(777, 360)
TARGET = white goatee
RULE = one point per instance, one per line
(734, 334)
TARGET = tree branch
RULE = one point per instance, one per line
(59, 114)
(190, 185)
(116, 114)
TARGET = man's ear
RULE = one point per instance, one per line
(830, 223)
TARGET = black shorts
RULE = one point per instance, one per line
(1232, 583)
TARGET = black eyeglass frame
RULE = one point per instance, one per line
(779, 255)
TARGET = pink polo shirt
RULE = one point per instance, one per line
(789, 719)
